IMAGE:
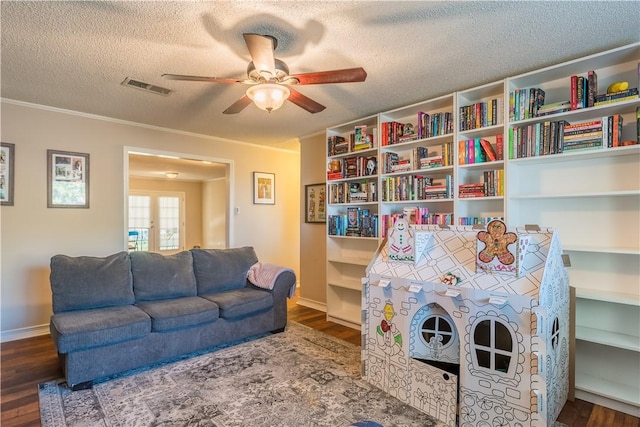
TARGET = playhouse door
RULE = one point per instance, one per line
(435, 363)
(434, 391)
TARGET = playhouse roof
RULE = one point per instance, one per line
(453, 250)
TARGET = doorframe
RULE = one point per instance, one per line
(126, 150)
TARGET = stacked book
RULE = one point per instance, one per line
(605, 132)
(337, 145)
(584, 135)
(609, 98)
(556, 107)
(466, 191)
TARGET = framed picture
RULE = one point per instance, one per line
(7, 162)
(264, 188)
(67, 179)
(314, 203)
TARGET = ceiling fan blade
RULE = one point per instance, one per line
(348, 75)
(200, 78)
(261, 51)
(305, 102)
(238, 106)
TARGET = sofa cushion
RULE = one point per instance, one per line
(80, 283)
(83, 329)
(177, 313)
(156, 276)
(238, 303)
(222, 269)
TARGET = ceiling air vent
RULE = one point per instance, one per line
(137, 84)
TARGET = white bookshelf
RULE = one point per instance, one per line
(591, 198)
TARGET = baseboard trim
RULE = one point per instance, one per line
(22, 333)
(312, 304)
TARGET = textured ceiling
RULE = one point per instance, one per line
(74, 55)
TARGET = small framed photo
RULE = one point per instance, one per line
(264, 188)
(7, 162)
(315, 205)
(67, 179)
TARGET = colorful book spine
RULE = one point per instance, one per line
(499, 147)
(592, 92)
(574, 93)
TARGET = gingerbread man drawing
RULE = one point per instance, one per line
(496, 240)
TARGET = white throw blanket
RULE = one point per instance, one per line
(264, 275)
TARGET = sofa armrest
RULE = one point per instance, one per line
(283, 287)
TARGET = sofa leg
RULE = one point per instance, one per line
(82, 386)
(277, 331)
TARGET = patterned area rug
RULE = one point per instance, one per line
(298, 378)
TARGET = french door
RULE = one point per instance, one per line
(156, 222)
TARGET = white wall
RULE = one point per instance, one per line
(31, 233)
(313, 248)
(214, 213)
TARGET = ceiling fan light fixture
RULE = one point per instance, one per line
(268, 96)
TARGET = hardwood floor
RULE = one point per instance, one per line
(26, 363)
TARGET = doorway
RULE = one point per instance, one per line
(169, 198)
(156, 221)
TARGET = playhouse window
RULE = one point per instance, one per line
(493, 345)
(435, 326)
(555, 333)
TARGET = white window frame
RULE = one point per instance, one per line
(492, 350)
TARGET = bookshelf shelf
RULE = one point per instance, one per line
(578, 156)
(591, 197)
(497, 164)
(351, 179)
(480, 199)
(612, 297)
(433, 171)
(413, 202)
(604, 250)
(608, 338)
(585, 113)
(589, 383)
(347, 283)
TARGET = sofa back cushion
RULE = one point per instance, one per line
(222, 269)
(81, 283)
(157, 276)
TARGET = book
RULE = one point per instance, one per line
(462, 152)
(574, 92)
(592, 91)
(616, 130)
(488, 150)
(540, 96)
(360, 133)
(500, 146)
(478, 152)
(580, 95)
(353, 218)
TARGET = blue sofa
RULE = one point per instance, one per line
(129, 310)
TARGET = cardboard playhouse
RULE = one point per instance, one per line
(468, 325)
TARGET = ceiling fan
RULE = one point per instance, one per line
(270, 81)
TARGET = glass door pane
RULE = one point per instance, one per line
(139, 222)
(169, 221)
